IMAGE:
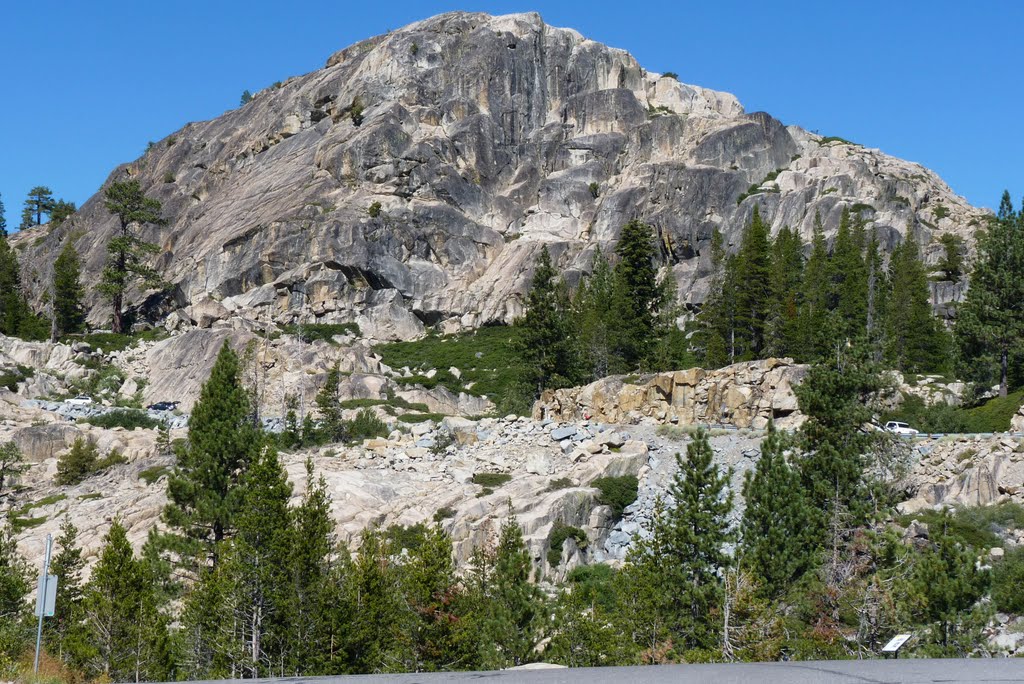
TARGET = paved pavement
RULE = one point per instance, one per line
(811, 672)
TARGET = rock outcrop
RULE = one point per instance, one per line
(744, 394)
(415, 177)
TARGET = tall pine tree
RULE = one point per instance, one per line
(815, 298)
(68, 311)
(39, 202)
(637, 297)
(914, 339)
(127, 252)
(546, 347)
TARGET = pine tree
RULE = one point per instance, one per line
(332, 427)
(127, 251)
(990, 322)
(430, 586)
(782, 332)
(777, 546)
(3, 219)
(204, 489)
(12, 464)
(684, 557)
(78, 462)
(914, 339)
(68, 311)
(61, 211)
(877, 299)
(753, 264)
(12, 300)
(546, 348)
(374, 637)
(309, 564)
(944, 590)
(246, 97)
(39, 202)
(15, 579)
(815, 299)
(848, 293)
(260, 559)
(592, 318)
(121, 619)
(835, 397)
(637, 297)
(64, 633)
(718, 314)
(952, 262)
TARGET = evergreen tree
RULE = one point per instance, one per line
(592, 318)
(374, 636)
(815, 299)
(121, 619)
(637, 297)
(753, 266)
(308, 605)
(39, 202)
(952, 262)
(78, 462)
(332, 427)
(835, 397)
(61, 211)
(684, 557)
(787, 264)
(546, 347)
(64, 633)
(15, 584)
(718, 315)
(3, 219)
(204, 489)
(246, 97)
(430, 586)
(13, 308)
(990, 322)
(944, 590)
(877, 299)
(260, 560)
(127, 251)
(68, 311)
(849, 278)
(914, 339)
(12, 464)
(777, 546)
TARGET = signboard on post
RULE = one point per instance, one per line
(46, 598)
(896, 643)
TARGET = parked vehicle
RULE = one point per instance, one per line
(163, 406)
(80, 400)
(899, 428)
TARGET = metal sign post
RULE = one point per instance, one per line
(45, 599)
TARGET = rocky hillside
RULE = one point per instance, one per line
(413, 179)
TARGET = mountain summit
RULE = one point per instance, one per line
(414, 178)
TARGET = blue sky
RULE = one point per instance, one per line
(86, 85)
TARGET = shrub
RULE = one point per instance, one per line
(355, 111)
(595, 190)
(976, 526)
(403, 537)
(126, 418)
(617, 492)
(311, 332)
(169, 177)
(560, 483)
(10, 377)
(559, 533)
(420, 417)
(670, 74)
(1008, 582)
(151, 475)
(995, 414)
(444, 513)
(366, 425)
(836, 139)
(82, 460)
(491, 480)
(940, 212)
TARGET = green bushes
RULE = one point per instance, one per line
(151, 475)
(1008, 582)
(129, 419)
(82, 460)
(617, 492)
(366, 425)
(10, 377)
(374, 210)
(992, 416)
(995, 414)
(444, 513)
(491, 480)
(559, 533)
(975, 526)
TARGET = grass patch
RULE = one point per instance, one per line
(559, 533)
(421, 417)
(311, 332)
(836, 139)
(486, 357)
(126, 418)
(151, 475)
(560, 483)
(675, 433)
(491, 480)
(22, 524)
(91, 496)
(617, 492)
(995, 414)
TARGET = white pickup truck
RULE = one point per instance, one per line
(899, 428)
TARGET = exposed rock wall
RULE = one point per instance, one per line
(482, 138)
(744, 394)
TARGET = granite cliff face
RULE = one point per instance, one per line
(481, 138)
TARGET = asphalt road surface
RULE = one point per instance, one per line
(812, 672)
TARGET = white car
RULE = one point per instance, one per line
(898, 428)
(80, 400)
